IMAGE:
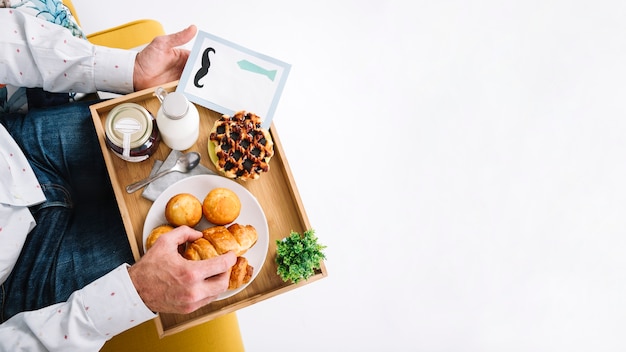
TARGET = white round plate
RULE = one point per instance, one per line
(200, 186)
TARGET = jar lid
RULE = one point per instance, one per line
(130, 123)
(175, 105)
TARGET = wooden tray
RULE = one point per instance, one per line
(276, 192)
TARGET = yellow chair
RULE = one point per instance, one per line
(126, 36)
(221, 334)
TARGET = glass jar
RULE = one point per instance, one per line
(131, 132)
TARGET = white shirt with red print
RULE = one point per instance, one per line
(37, 53)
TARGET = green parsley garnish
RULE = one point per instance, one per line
(298, 256)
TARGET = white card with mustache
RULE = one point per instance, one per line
(227, 77)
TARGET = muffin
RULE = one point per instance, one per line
(183, 209)
(221, 206)
(156, 232)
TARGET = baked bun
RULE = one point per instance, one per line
(245, 235)
(200, 249)
(156, 232)
(240, 273)
(183, 209)
(219, 240)
(221, 206)
(239, 147)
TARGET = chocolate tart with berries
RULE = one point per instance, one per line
(239, 147)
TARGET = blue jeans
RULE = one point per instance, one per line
(79, 234)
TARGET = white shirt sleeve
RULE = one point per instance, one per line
(36, 53)
(49, 56)
(88, 319)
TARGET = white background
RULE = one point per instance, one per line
(464, 162)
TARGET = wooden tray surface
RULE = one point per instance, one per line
(276, 192)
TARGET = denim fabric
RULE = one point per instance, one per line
(39, 98)
(79, 234)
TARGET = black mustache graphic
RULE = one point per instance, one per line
(206, 63)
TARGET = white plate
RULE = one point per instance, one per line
(199, 186)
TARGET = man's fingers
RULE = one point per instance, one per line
(216, 282)
(215, 266)
(179, 235)
(182, 37)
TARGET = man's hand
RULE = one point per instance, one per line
(161, 61)
(169, 283)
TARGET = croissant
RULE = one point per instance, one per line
(200, 249)
(240, 274)
(246, 236)
(219, 240)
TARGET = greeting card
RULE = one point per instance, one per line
(226, 77)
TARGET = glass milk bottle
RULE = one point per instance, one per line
(177, 119)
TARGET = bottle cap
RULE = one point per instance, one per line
(175, 105)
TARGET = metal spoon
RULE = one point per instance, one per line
(184, 164)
